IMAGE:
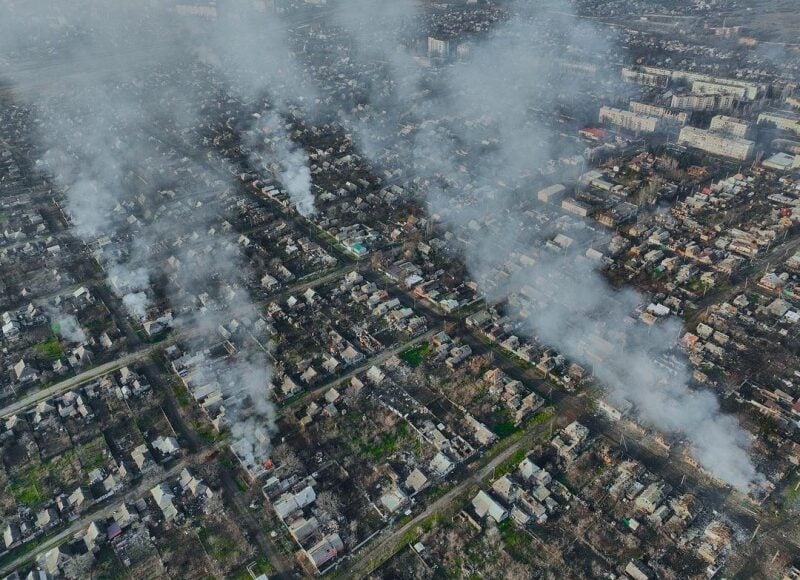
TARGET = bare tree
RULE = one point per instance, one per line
(286, 459)
(329, 503)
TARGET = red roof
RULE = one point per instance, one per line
(594, 131)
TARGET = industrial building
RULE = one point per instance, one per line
(438, 47)
(574, 206)
(782, 162)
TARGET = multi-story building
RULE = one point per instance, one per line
(663, 113)
(575, 207)
(752, 90)
(694, 102)
(783, 121)
(638, 77)
(552, 194)
(438, 47)
(709, 88)
(730, 125)
(628, 120)
(716, 143)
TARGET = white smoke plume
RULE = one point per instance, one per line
(484, 136)
(123, 91)
(136, 303)
(251, 432)
(288, 162)
(66, 325)
(484, 131)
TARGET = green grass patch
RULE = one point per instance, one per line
(424, 526)
(35, 483)
(26, 494)
(386, 445)
(505, 428)
(511, 463)
(50, 349)
(415, 355)
(226, 462)
(503, 423)
(517, 542)
(218, 547)
(791, 496)
(541, 417)
(25, 485)
(207, 434)
(97, 326)
(91, 455)
(263, 566)
(181, 394)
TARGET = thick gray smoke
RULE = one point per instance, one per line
(115, 89)
(481, 143)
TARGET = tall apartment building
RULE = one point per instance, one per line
(703, 102)
(716, 143)
(730, 125)
(783, 121)
(751, 89)
(646, 79)
(438, 47)
(667, 115)
(710, 88)
(628, 120)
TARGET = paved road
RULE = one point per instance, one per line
(377, 360)
(107, 509)
(76, 381)
(387, 545)
(147, 351)
(234, 499)
(143, 487)
(751, 272)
